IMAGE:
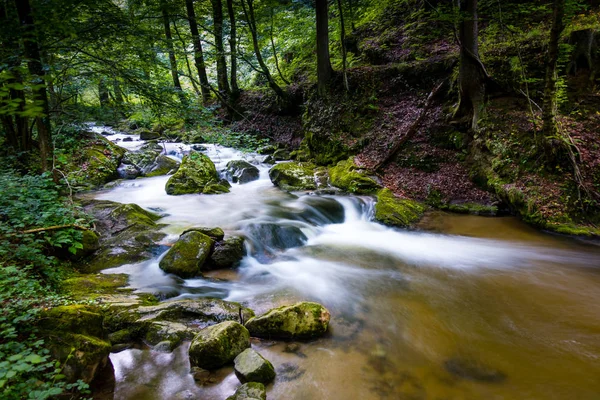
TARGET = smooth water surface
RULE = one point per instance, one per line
(463, 308)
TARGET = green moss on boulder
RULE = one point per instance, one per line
(195, 172)
(292, 176)
(392, 211)
(250, 391)
(240, 171)
(215, 233)
(188, 254)
(227, 253)
(250, 366)
(305, 320)
(218, 345)
(347, 176)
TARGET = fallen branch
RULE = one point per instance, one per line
(56, 227)
(412, 130)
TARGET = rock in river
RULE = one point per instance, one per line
(195, 173)
(249, 366)
(304, 320)
(240, 171)
(293, 176)
(250, 391)
(188, 255)
(218, 345)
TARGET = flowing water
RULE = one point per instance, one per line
(463, 308)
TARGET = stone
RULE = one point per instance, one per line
(304, 320)
(215, 187)
(146, 134)
(168, 331)
(187, 256)
(347, 176)
(128, 171)
(195, 172)
(240, 171)
(162, 165)
(392, 211)
(227, 253)
(281, 155)
(218, 345)
(90, 241)
(268, 149)
(250, 366)
(250, 391)
(272, 238)
(292, 176)
(128, 139)
(216, 233)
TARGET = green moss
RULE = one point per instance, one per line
(250, 391)
(77, 318)
(470, 208)
(135, 215)
(347, 176)
(215, 188)
(218, 345)
(91, 286)
(194, 173)
(305, 320)
(393, 211)
(325, 152)
(188, 254)
(293, 176)
(574, 230)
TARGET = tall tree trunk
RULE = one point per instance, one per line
(275, 50)
(171, 50)
(549, 104)
(36, 69)
(198, 55)
(103, 95)
(235, 90)
(222, 83)
(343, 44)
(251, 19)
(324, 70)
(472, 74)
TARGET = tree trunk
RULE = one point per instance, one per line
(36, 69)
(103, 95)
(472, 74)
(222, 83)
(171, 50)
(549, 104)
(235, 90)
(249, 12)
(343, 44)
(275, 50)
(324, 70)
(198, 55)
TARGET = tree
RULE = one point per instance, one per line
(30, 35)
(324, 70)
(472, 73)
(222, 83)
(235, 90)
(549, 104)
(171, 50)
(198, 55)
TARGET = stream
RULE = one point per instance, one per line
(464, 307)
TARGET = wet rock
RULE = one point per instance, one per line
(188, 255)
(90, 242)
(393, 211)
(474, 370)
(281, 155)
(167, 331)
(347, 176)
(288, 372)
(199, 147)
(250, 391)
(201, 375)
(240, 171)
(128, 234)
(194, 174)
(146, 134)
(128, 139)
(74, 335)
(216, 233)
(271, 237)
(227, 253)
(218, 345)
(165, 347)
(269, 149)
(217, 187)
(128, 171)
(162, 165)
(292, 176)
(151, 145)
(250, 366)
(269, 160)
(304, 320)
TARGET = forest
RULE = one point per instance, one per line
(170, 168)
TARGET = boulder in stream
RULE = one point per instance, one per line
(194, 174)
(128, 171)
(146, 134)
(292, 176)
(250, 391)
(240, 171)
(215, 233)
(304, 320)
(218, 345)
(250, 366)
(227, 253)
(187, 256)
(347, 176)
(393, 211)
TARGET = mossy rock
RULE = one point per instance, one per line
(392, 211)
(162, 165)
(146, 134)
(293, 176)
(168, 331)
(188, 255)
(77, 318)
(347, 176)
(91, 286)
(304, 320)
(90, 241)
(250, 391)
(195, 172)
(250, 366)
(216, 233)
(218, 345)
(227, 253)
(219, 187)
(324, 149)
(281, 155)
(240, 171)
(471, 208)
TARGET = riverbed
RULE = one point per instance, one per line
(463, 307)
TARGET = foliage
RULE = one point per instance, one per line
(243, 141)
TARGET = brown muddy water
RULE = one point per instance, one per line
(462, 308)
